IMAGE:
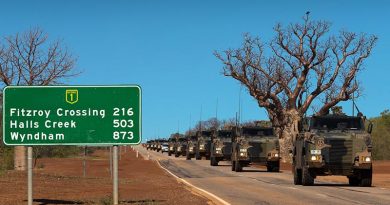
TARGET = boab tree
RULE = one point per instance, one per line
(305, 64)
(29, 59)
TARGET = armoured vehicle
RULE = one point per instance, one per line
(159, 144)
(255, 145)
(334, 144)
(154, 145)
(180, 146)
(203, 144)
(221, 147)
(191, 146)
(171, 145)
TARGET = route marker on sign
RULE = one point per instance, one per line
(72, 115)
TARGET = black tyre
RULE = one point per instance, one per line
(297, 176)
(233, 165)
(366, 178)
(177, 154)
(169, 153)
(188, 157)
(213, 161)
(353, 181)
(307, 178)
(197, 156)
(238, 166)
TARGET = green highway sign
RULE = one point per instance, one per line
(71, 115)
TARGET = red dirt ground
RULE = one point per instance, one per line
(60, 181)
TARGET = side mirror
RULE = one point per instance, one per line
(369, 128)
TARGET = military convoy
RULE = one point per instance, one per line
(221, 146)
(334, 144)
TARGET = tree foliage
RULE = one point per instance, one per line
(381, 136)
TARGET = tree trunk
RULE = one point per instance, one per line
(288, 133)
(20, 158)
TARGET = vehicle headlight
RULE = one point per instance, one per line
(276, 155)
(315, 158)
(242, 154)
(367, 159)
(179, 148)
(191, 149)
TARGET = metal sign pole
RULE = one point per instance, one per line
(115, 178)
(29, 175)
(84, 164)
(111, 161)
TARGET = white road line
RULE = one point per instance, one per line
(290, 187)
(321, 195)
(191, 185)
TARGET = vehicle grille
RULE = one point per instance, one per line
(340, 151)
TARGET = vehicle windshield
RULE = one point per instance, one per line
(193, 138)
(258, 132)
(332, 123)
(224, 134)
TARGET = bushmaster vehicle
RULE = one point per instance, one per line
(334, 144)
(171, 145)
(255, 145)
(191, 146)
(221, 146)
(203, 144)
(180, 146)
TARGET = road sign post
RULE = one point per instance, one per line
(115, 176)
(72, 115)
(29, 175)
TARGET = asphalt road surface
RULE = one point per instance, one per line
(256, 186)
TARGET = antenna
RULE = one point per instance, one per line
(239, 105)
(189, 125)
(200, 119)
(216, 115)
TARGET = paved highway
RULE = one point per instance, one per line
(256, 186)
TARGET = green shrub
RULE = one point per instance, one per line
(381, 136)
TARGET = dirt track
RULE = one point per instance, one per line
(61, 182)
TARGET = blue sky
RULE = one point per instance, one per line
(166, 47)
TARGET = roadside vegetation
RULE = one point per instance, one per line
(381, 136)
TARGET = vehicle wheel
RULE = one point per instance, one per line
(213, 161)
(297, 176)
(169, 153)
(207, 158)
(366, 178)
(307, 179)
(238, 166)
(233, 165)
(176, 154)
(197, 156)
(188, 157)
(353, 181)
